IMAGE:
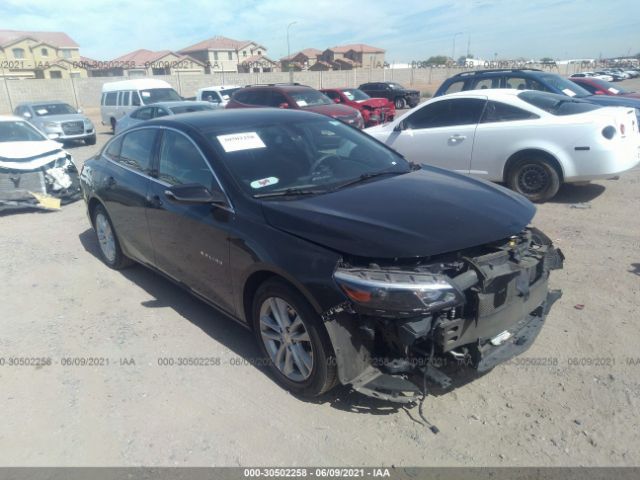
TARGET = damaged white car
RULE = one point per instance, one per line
(35, 172)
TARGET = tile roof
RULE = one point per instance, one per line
(358, 47)
(218, 43)
(307, 52)
(143, 57)
(57, 39)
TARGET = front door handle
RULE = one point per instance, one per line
(457, 138)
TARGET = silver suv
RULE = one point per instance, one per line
(58, 120)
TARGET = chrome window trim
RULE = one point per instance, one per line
(229, 208)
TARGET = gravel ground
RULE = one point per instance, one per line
(572, 399)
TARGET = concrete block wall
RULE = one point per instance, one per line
(86, 92)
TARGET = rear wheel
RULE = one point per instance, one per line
(90, 140)
(400, 103)
(535, 178)
(110, 250)
(291, 336)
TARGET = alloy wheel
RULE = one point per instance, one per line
(533, 179)
(105, 237)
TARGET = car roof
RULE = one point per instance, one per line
(137, 84)
(498, 71)
(219, 88)
(283, 87)
(178, 103)
(492, 93)
(234, 118)
(43, 102)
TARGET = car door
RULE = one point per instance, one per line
(502, 131)
(190, 241)
(123, 189)
(441, 133)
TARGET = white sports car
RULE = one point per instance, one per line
(533, 141)
(35, 172)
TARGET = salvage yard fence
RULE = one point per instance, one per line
(86, 92)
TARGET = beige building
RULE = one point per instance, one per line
(302, 60)
(356, 55)
(142, 63)
(222, 54)
(39, 55)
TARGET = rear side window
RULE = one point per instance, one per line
(181, 162)
(518, 83)
(143, 113)
(501, 112)
(557, 104)
(111, 98)
(135, 99)
(446, 113)
(485, 83)
(137, 148)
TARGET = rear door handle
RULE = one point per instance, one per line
(457, 138)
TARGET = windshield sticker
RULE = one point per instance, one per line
(240, 141)
(301, 103)
(146, 94)
(334, 122)
(615, 91)
(569, 93)
(264, 182)
(42, 111)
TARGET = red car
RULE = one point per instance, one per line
(602, 87)
(374, 111)
(294, 96)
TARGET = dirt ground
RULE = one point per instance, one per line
(572, 399)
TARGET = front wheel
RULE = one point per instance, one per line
(400, 103)
(292, 338)
(535, 178)
(90, 140)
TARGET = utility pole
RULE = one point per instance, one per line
(289, 52)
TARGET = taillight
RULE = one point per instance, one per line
(609, 132)
(622, 129)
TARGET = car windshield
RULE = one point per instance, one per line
(310, 98)
(311, 156)
(615, 89)
(19, 132)
(190, 108)
(355, 94)
(154, 95)
(563, 85)
(557, 104)
(396, 86)
(46, 109)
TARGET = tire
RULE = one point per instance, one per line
(321, 375)
(535, 178)
(90, 140)
(400, 103)
(113, 125)
(111, 255)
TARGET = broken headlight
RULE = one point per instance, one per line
(397, 292)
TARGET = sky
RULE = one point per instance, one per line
(409, 30)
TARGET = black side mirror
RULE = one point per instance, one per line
(400, 127)
(194, 193)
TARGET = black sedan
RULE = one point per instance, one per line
(348, 263)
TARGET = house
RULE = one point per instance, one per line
(222, 54)
(302, 60)
(355, 55)
(25, 54)
(142, 63)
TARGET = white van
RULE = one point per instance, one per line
(217, 94)
(119, 98)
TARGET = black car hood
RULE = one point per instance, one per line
(418, 214)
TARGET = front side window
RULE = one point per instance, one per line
(181, 163)
(315, 155)
(501, 112)
(447, 113)
(110, 99)
(209, 96)
(355, 94)
(518, 83)
(482, 84)
(309, 98)
(135, 99)
(137, 148)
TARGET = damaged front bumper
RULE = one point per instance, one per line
(46, 186)
(500, 303)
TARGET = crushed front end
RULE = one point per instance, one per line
(43, 182)
(477, 307)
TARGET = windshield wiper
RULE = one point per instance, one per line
(367, 176)
(288, 192)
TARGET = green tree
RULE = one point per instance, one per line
(438, 60)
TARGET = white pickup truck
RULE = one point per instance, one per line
(218, 94)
